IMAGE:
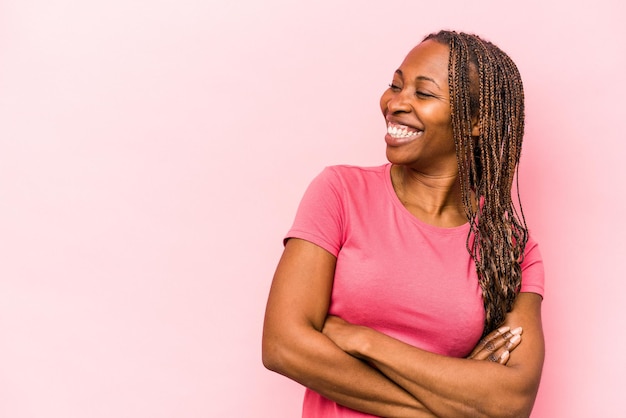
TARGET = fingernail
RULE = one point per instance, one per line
(515, 339)
(517, 331)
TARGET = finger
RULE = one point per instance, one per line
(491, 343)
(500, 356)
(496, 341)
(513, 342)
(485, 342)
(491, 350)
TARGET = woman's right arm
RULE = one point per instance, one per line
(294, 346)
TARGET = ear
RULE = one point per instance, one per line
(475, 127)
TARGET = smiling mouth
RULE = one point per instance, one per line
(401, 131)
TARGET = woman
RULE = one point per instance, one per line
(391, 275)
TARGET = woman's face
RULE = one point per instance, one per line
(416, 108)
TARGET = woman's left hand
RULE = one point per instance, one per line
(497, 345)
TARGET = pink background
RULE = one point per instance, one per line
(153, 153)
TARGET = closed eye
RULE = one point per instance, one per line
(423, 94)
(394, 87)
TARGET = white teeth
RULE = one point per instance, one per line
(400, 132)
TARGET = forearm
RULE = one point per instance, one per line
(317, 363)
(456, 387)
(451, 386)
(294, 346)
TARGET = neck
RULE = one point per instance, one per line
(435, 199)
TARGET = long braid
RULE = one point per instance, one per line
(485, 86)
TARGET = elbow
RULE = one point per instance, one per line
(512, 405)
(270, 355)
(273, 355)
(511, 410)
(523, 403)
(515, 409)
(284, 349)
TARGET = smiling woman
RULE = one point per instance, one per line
(404, 289)
(417, 110)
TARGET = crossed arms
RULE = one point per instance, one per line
(365, 370)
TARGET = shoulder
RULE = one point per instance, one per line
(531, 250)
(352, 176)
(533, 275)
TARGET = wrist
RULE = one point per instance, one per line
(362, 342)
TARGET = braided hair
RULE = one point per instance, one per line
(486, 87)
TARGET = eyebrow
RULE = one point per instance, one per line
(419, 78)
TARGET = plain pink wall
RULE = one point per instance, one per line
(152, 154)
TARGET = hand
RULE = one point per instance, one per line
(342, 333)
(497, 345)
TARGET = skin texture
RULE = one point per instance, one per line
(451, 386)
(418, 98)
(368, 371)
(425, 171)
(293, 343)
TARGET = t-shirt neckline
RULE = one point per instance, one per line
(398, 204)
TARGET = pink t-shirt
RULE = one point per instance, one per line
(413, 281)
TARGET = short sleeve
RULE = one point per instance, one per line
(320, 215)
(532, 269)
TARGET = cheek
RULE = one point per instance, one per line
(439, 115)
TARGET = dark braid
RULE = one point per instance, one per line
(486, 86)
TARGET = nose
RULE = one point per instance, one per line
(398, 102)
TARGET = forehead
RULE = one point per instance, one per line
(428, 59)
